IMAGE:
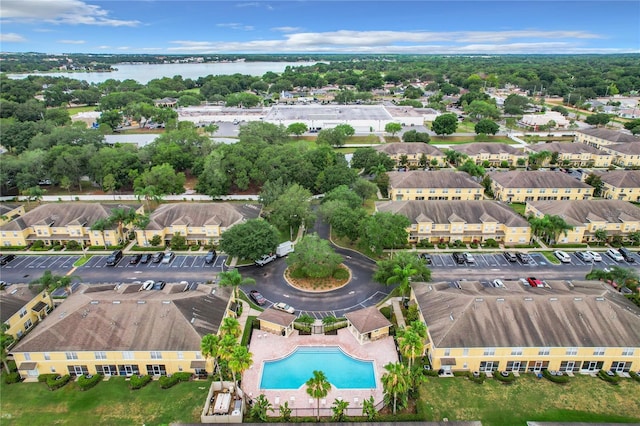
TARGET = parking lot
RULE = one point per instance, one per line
(180, 261)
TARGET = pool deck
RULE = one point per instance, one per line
(267, 346)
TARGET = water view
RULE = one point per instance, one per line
(144, 73)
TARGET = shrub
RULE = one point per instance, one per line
(11, 378)
(195, 247)
(473, 245)
(58, 381)
(425, 244)
(42, 378)
(614, 380)
(635, 376)
(509, 378)
(491, 243)
(57, 247)
(340, 274)
(73, 245)
(297, 273)
(442, 246)
(87, 381)
(13, 248)
(460, 373)
(386, 311)
(555, 379)
(37, 244)
(168, 381)
(480, 378)
(138, 382)
(183, 376)
(430, 373)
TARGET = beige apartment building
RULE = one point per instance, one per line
(577, 327)
(433, 185)
(621, 185)
(10, 211)
(624, 154)
(599, 137)
(523, 186)
(21, 308)
(493, 153)
(572, 154)
(616, 218)
(467, 221)
(412, 153)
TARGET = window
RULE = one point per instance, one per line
(28, 324)
(627, 352)
(23, 312)
(71, 355)
(489, 351)
(27, 356)
(572, 351)
(127, 355)
(47, 356)
(180, 355)
(598, 351)
(156, 355)
(447, 352)
(100, 355)
(543, 351)
(516, 351)
(465, 352)
(198, 355)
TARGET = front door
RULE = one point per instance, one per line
(77, 370)
(620, 367)
(128, 370)
(109, 370)
(570, 366)
(516, 366)
(537, 367)
(592, 366)
(155, 370)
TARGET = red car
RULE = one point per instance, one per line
(257, 297)
(534, 282)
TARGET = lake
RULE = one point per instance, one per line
(143, 73)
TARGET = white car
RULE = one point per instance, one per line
(615, 255)
(267, 258)
(281, 306)
(584, 256)
(562, 256)
(498, 283)
(595, 256)
(468, 257)
(147, 285)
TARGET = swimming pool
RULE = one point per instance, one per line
(342, 371)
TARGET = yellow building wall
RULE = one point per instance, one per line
(16, 322)
(18, 211)
(57, 362)
(626, 160)
(414, 159)
(496, 159)
(14, 238)
(464, 194)
(468, 232)
(521, 195)
(625, 194)
(206, 233)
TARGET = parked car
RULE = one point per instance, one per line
(426, 257)
(510, 256)
(114, 258)
(562, 256)
(534, 282)
(145, 258)
(523, 257)
(468, 257)
(7, 258)
(596, 256)
(147, 285)
(281, 306)
(210, 257)
(627, 254)
(584, 256)
(498, 283)
(159, 285)
(168, 257)
(135, 259)
(267, 258)
(615, 255)
(257, 297)
(157, 257)
(458, 257)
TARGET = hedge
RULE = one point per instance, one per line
(510, 378)
(614, 380)
(13, 248)
(88, 381)
(635, 376)
(555, 379)
(152, 248)
(168, 381)
(58, 381)
(138, 382)
(10, 378)
(42, 378)
(479, 379)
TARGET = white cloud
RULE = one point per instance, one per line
(11, 38)
(286, 29)
(59, 12)
(235, 26)
(519, 41)
(71, 41)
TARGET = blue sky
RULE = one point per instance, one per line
(414, 27)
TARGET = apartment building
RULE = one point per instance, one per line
(574, 154)
(621, 185)
(59, 223)
(624, 154)
(577, 327)
(10, 211)
(122, 331)
(21, 308)
(600, 137)
(523, 186)
(433, 185)
(495, 154)
(410, 154)
(197, 222)
(467, 221)
(616, 218)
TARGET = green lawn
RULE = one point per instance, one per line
(76, 110)
(518, 208)
(457, 140)
(583, 399)
(550, 257)
(109, 403)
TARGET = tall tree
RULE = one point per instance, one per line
(250, 240)
(240, 361)
(230, 326)
(6, 340)
(314, 257)
(393, 128)
(411, 344)
(318, 387)
(445, 124)
(395, 383)
(233, 279)
(209, 349)
(50, 282)
(402, 275)
(384, 230)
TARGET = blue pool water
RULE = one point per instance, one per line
(341, 370)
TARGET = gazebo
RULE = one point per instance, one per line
(368, 324)
(276, 322)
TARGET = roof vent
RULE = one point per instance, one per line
(94, 302)
(15, 290)
(577, 299)
(141, 302)
(166, 302)
(528, 299)
(116, 302)
(600, 299)
(479, 299)
(553, 299)
(193, 320)
(500, 299)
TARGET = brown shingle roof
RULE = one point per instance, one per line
(5, 208)
(442, 211)
(201, 214)
(586, 314)
(97, 317)
(431, 179)
(621, 178)
(274, 316)
(567, 147)
(536, 179)
(408, 148)
(488, 148)
(63, 214)
(579, 212)
(367, 320)
(625, 148)
(13, 298)
(609, 135)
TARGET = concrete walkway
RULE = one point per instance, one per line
(397, 310)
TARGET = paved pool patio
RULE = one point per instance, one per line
(266, 346)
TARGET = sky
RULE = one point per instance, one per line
(328, 26)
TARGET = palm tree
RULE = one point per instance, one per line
(234, 279)
(411, 344)
(260, 407)
(230, 326)
(557, 226)
(369, 409)
(419, 328)
(240, 361)
(148, 193)
(395, 382)
(318, 387)
(601, 235)
(225, 350)
(339, 407)
(209, 348)
(120, 217)
(402, 274)
(6, 340)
